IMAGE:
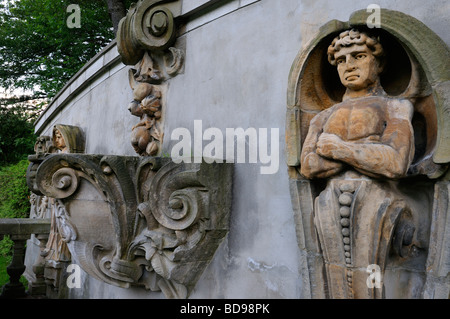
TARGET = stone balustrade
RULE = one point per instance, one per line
(19, 229)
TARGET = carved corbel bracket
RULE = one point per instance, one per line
(140, 221)
(145, 40)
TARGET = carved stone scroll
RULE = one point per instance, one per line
(144, 40)
(140, 221)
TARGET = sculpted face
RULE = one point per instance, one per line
(358, 68)
(59, 140)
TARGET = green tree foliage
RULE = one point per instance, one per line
(16, 142)
(39, 52)
(14, 192)
(14, 203)
(16, 132)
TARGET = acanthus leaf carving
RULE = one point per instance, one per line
(140, 221)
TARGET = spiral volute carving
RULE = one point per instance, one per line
(182, 209)
(64, 182)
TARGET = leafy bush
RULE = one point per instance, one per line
(14, 199)
(14, 192)
(6, 246)
(14, 203)
(4, 262)
(16, 133)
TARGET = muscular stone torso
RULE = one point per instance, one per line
(356, 120)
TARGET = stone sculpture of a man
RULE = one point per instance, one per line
(367, 131)
(361, 146)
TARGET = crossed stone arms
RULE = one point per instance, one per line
(388, 154)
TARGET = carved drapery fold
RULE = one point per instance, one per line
(138, 220)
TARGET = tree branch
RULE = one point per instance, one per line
(116, 9)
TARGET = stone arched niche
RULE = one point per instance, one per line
(71, 136)
(417, 69)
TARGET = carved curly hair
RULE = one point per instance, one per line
(351, 37)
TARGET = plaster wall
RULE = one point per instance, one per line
(237, 61)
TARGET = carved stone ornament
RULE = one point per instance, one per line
(144, 40)
(367, 136)
(139, 221)
(65, 138)
(55, 255)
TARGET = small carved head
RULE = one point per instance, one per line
(58, 141)
(42, 145)
(358, 57)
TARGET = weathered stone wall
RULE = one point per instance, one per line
(237, 62)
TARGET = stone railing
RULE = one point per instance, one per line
(19, 229)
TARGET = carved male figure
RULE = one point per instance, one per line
(356, 144)
(368, 131)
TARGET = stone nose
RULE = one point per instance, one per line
(350, 64)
